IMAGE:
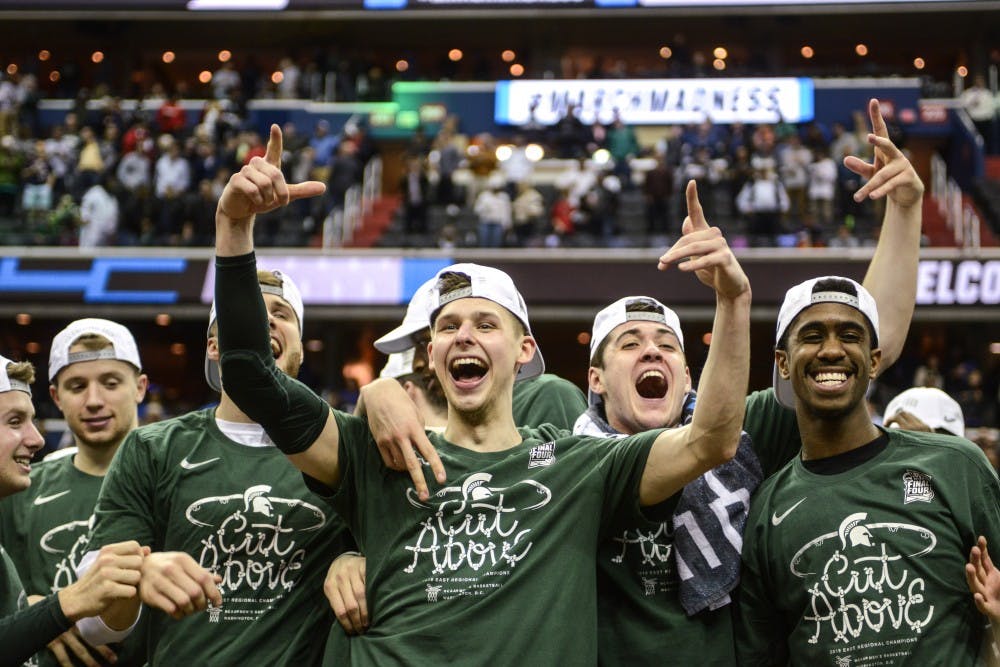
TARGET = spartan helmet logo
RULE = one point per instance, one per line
(255, 499)
(851, 529)
(475, 487)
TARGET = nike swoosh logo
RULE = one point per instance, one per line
(188, 465)
(41, 500)
(778, 518)
(950, 418)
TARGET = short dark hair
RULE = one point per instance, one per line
(640, 305)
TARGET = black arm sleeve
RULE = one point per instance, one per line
(28, 631)
(292, 414)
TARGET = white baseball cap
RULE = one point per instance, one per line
(493, 285)
(398, 364)
(803, 296)
(417, 319)
(619, 313)
(288, 291)
(931, 406)
(123, 347)
(7, 383)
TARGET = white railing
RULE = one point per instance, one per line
(340, 224)
(959, 215)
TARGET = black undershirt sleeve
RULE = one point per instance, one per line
(28, 631)
(292, 414)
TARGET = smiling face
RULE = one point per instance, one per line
(19, 440)
(475, 350)
(829, 360)
(286, 338)
(99, 399)
(642, 376)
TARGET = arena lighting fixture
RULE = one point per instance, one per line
(861, 49)
(807, 52)
(962, 71)
(601, 156)
(719, 64)
(97, 56)
(44, 55)
(54, 76)
(583, 338)
(12, 69)
(504, 152)
(178, 349)
(24, 319)
(919, 63)
(720, 53)
(163, 319)
(402, 65)
(508, 56)
(534, 152)
(169, 56)
(666, 52)
(314, 345)
(995, 348)
(204, 76)
(277, 77)
(214, 5)
(455, 55)
(225, 55)
(33, 347)
(516, 69)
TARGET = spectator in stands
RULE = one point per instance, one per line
(345, 171)
(822, 173)
(528, 209)
(90, 163)
(981, 104)
(623, 146)
(8, 105)
(978, 406)
(323, 144)
(447, 156)
(562, 217)
(38, 179)
(793, 162)
(844, 238)
(763, 200)
(928, 374)
(199, 213)
(482, 162)
(569, 134)
(11, 164)
(657, 189)
(224, 80)
(98, 216)
(288, 84)
(173, 177)
(517, 168)
(171, 117)
(415, 189)
(494, 211)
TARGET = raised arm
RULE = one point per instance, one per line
(680, 455)
(298, 421)
(892, 274)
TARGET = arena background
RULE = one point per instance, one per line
(919, 56)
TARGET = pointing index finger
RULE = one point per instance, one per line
(695, 212)
(274, 146)
(878, 122)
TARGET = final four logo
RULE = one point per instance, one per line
(917, 487)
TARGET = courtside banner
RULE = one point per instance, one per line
(656, 101)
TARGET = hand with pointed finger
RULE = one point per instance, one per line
(260, 186)
(174, 583)
(345, 590)
(704, 250)
(890, 174)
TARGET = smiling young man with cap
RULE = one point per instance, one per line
(240, 546)
(25, 630)
(509, 537)
(541, 399)
(96, 381)
(855, 552)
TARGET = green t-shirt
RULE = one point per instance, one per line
(640, 616)
(547, 399)
(498, 566)
(241, 512)
(46, 528)
(12, 595)
(866, 567)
